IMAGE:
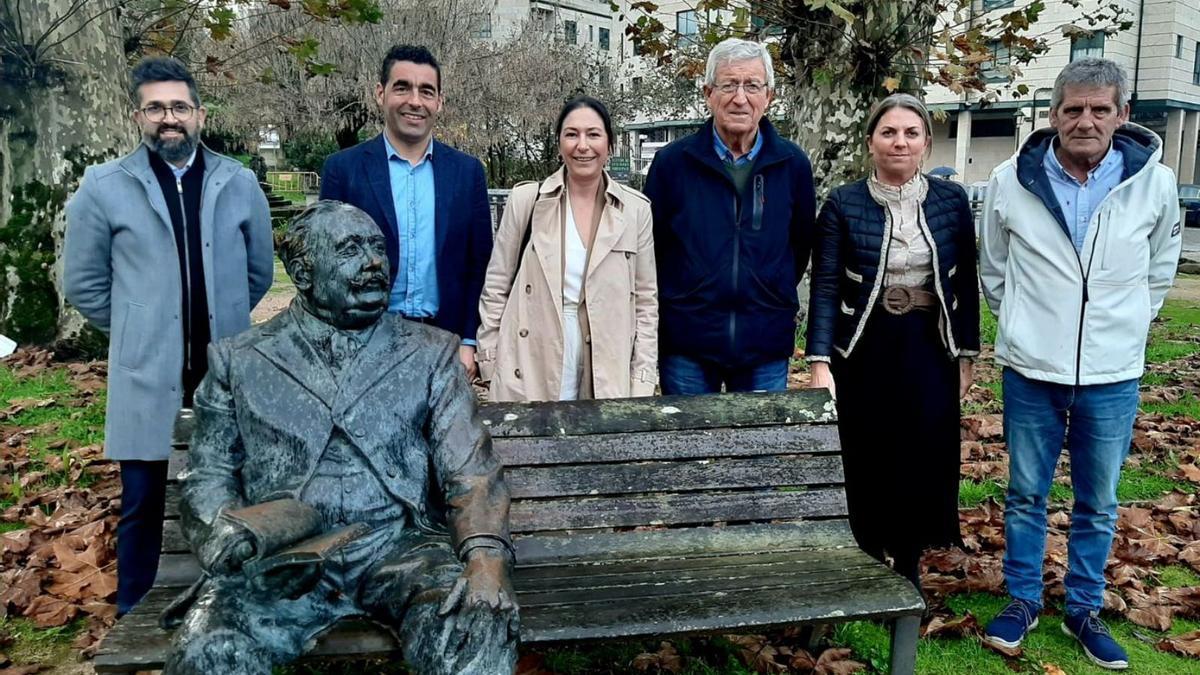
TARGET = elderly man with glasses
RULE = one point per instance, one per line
(733, 211)
(167, 249)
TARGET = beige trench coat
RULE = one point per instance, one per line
(520, 334)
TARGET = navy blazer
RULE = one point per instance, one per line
(462, 225)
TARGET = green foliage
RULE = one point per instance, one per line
(27, 251)
(307, 152)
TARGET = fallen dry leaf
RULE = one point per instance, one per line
(962, 626)
(1158, 618)
(1187, 644)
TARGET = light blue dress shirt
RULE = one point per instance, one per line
(415, 292)
(726, 154)
(1080, 200)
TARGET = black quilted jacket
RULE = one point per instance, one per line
(851, 234)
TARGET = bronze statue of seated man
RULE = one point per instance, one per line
(357, 418)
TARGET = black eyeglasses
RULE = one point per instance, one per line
(157, 113)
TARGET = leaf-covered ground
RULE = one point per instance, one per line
(59, 499)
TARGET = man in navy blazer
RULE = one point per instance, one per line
(429, 200)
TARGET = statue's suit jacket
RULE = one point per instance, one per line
(270, 404)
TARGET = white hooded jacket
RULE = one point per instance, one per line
(1079, 318)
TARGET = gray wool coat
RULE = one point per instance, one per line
(121, 271)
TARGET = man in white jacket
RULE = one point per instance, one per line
(1079, 243)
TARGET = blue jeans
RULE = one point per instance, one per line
(688, 376)
(1097, 421)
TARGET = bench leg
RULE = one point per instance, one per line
(904, 645)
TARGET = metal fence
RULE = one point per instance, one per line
(307, 182)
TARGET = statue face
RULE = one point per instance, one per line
(348, 273)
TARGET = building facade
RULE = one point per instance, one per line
(1160, 52)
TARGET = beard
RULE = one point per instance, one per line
(175, 150)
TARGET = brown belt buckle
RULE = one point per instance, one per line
(898, 300)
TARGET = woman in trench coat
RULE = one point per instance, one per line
(570, 301)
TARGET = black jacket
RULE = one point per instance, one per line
(852, 230)
(728, 263)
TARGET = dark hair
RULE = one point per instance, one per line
(413, 54)
(585, 102)
(160, 69)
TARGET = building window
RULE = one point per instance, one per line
(603, 39)
(541, 18)
(591, 33)
(1179, 46)
(687, 26)
(570, 32)
(1083, 47)
(1196, 66)
(989, 5)
(483, 26)
(636, 84)
(996, 70)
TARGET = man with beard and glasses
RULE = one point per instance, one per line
(429, 200)
(167, 249)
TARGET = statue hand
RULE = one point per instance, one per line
(483, 595)
(232, 550)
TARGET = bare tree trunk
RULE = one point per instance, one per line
(48, 135)
(839, 73)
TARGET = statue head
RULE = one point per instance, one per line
(337, 258)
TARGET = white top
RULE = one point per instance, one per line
(575, 258)
(910, 256)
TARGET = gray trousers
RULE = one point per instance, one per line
(397, 577)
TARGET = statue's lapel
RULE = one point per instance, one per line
(299, 360)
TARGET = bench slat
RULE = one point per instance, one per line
(861, 588)
(675, 509)
(753, 566)
(657, 543)
(646, 446)
(639, 477)
(663, 413)
(867, 593)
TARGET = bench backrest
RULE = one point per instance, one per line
(597, 467)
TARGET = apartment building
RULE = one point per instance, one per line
(1161, 53)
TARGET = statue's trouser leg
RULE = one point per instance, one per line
(234, 631)
(406, 590)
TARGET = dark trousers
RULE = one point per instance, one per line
(139, 533)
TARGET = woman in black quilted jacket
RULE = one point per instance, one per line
(893, 326)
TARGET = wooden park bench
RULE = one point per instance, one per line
(641, 518)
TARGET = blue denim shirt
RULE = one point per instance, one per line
(726, 155)
(1080, 200)
(415, 292)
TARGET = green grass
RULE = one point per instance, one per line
(1150, 379)
(1137, 484)
(1187, 406)
(1146, 483)
(1177, 576)
(1045, 645)
(51, 383)
(33, 645)
(1174, 337)
(293, 196)
(60, 421)
(971, 493)
(987, 324)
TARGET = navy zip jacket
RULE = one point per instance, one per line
(729, 263)
(846, 277)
